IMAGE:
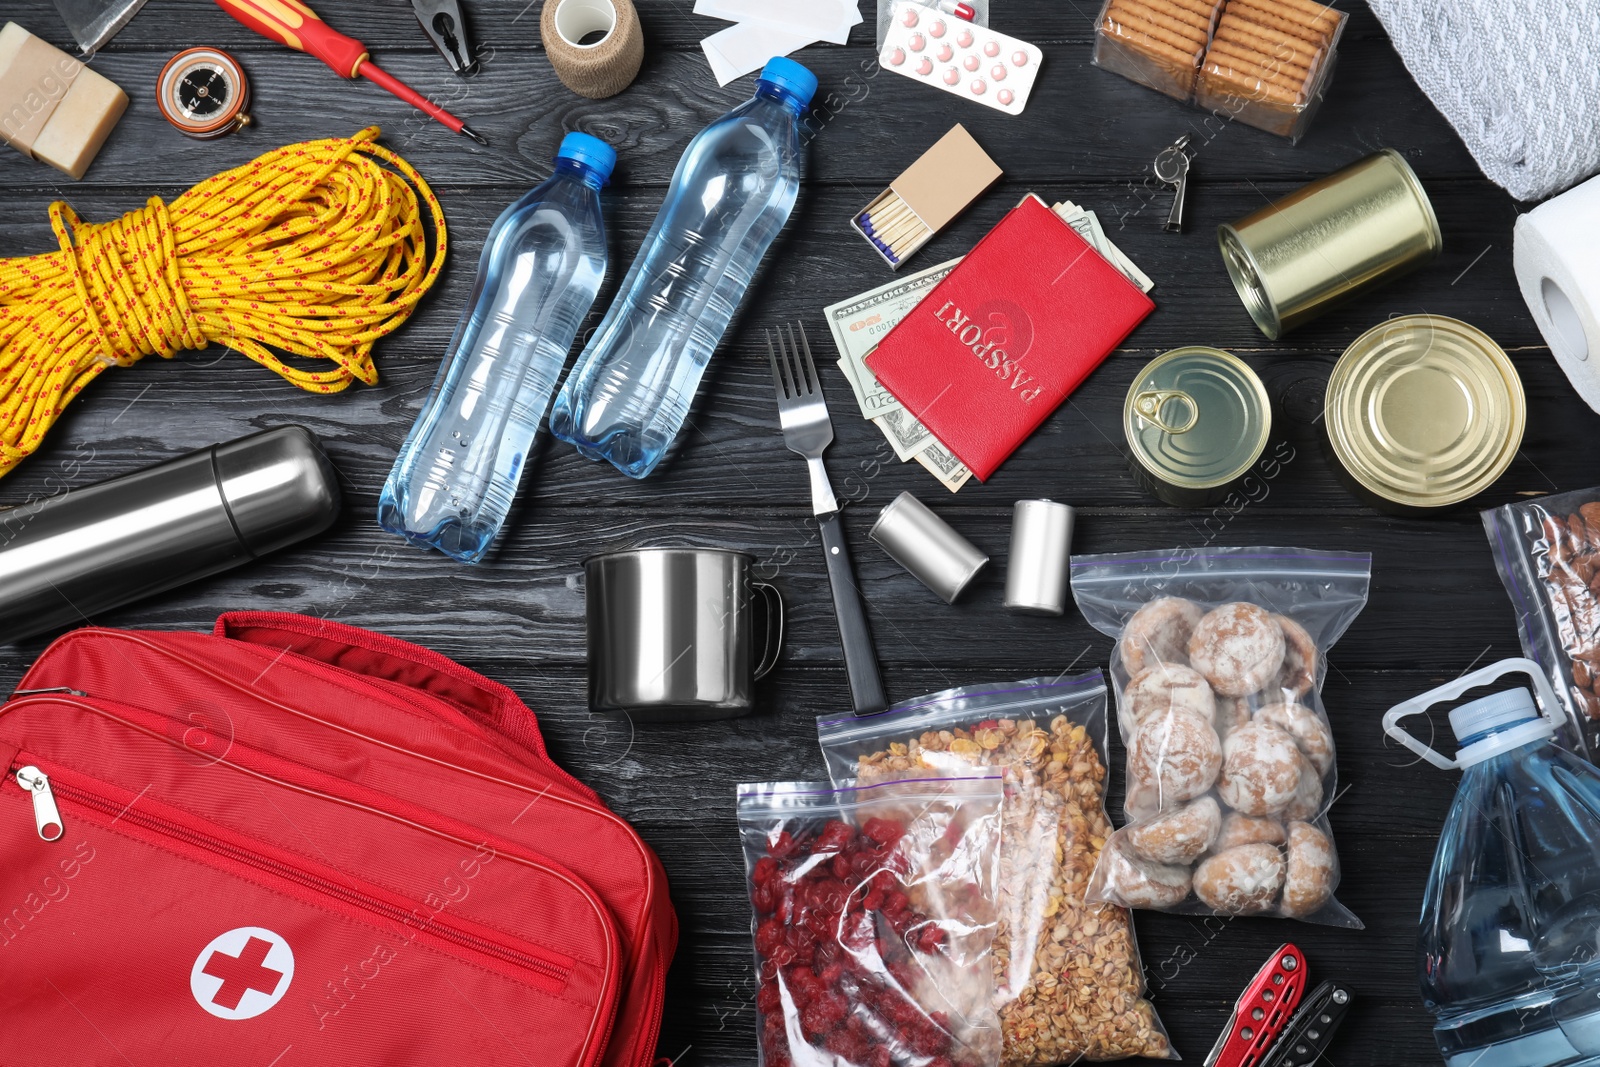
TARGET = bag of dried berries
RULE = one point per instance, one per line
(874, 920)
(1068, 980)
(1218, 669)
(1548, 554)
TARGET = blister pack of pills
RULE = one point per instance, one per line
(960, 57)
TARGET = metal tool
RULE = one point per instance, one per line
(807, 430)
(292, 23)
(1262, 1012)
(1308, 1034)
(1172, 167)
(442, 22)
(672, 633)
(204, 93)
(73, 555)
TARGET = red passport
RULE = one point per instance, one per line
(997, 345)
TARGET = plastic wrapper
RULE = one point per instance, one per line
(1068, 982)
(874, 920)
(1265, 63)
(1548, 554)
(1218, 668)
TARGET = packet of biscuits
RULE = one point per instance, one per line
(1067, 973)
(1547, 551)
(1218, 670)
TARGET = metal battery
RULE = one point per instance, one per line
(1196, 419)
(1422, 413)
(1036, 572)
(1327, 241)
(925, 545)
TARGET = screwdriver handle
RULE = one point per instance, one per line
(296, 25)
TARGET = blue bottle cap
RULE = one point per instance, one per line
(592, 152)
(790, 76)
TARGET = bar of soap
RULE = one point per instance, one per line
(52, 107)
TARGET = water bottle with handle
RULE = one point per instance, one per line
(1510, 938)
(630, 391)
(541, 268)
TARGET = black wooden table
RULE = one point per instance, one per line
(1088, 135)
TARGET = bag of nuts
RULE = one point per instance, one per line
(1218, 668)
(1547, 551)
(1068, 980)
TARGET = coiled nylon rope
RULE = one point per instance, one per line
(315, 249)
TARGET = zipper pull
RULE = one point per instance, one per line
(45, 813)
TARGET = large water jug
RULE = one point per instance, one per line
(630, 391)
(1510, 939)
(454, 480)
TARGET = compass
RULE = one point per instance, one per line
(203, 92)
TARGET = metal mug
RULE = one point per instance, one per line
(672, 633)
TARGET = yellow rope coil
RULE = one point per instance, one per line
(315, 249)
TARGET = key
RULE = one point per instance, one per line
(1172, 167)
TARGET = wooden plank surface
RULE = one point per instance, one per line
(1436, 605)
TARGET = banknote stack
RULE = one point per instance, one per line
(858, 324)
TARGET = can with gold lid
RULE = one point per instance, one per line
(1197, 419)
(1423, 412)
(1294, 259)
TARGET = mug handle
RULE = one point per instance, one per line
(774, 643)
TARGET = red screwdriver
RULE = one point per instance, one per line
(296, 25)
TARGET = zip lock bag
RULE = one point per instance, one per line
(295, 839)
(1219, 663)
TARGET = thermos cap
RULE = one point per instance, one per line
(1036, 573)
(278, 486)
(925, 545)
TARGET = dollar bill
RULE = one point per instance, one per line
(858, 324)
(943, 465)
(1087, 225)
(905, 434)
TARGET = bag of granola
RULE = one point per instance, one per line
(1068, 976)
(874, 919)
(1548, 554)
(1218, 667)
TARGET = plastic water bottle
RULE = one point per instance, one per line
(1510, 940)
(541, 267)
(629, 393)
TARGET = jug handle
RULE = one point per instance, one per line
(1549, 707)
(774, 644)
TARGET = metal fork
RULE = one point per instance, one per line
(807, 430)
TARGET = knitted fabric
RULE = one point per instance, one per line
(1518, 79)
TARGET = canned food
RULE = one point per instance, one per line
(1327, 241)
(1423, 412)
(1196, 420)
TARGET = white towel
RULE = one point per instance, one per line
(1518, 79)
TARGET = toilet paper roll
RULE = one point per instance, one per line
(1556, 254)
(607, 64)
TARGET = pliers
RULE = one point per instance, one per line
(442, 22)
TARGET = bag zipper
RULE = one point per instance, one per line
(46, 816)
(44, 790)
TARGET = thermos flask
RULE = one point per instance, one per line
(64, 558)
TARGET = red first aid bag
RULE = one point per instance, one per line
(292, 842)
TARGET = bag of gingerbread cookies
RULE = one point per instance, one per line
(1218, 670)
(1547, 551)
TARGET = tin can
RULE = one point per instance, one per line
(925, 545)
(1327, 241)
(1422, 413)
(1036, 570)
(1197, 420)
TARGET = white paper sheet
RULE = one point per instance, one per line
(746, 46)
(818, 20)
